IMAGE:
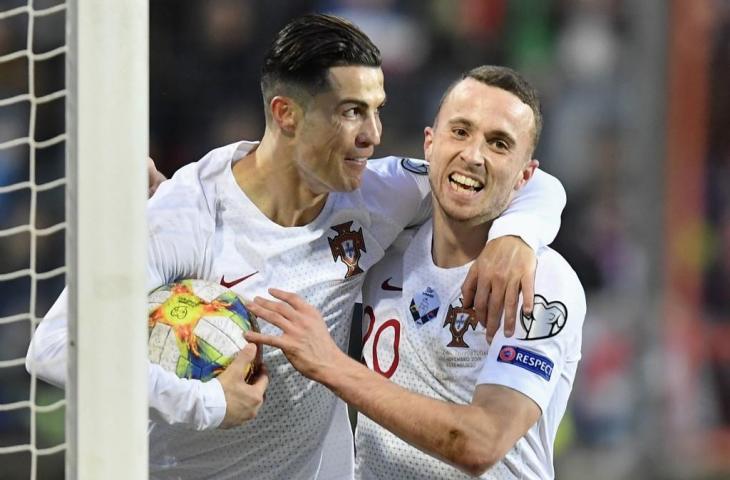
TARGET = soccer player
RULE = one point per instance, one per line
(302, 209)
(435, 386)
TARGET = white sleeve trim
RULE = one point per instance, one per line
(200, 405)
(516, 378)
(521, 225)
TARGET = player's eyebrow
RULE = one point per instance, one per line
(360, 103)
(461, 121)
(501, 134)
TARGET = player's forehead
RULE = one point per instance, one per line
(486, 107)
(359, 84)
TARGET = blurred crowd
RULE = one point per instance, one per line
(600, 66)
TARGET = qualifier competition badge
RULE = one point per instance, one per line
(425, 306)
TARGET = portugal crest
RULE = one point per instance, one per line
(347, 245)
(459, 319)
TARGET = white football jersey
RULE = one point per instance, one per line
(236, 245)
(202, 225)
(418, 334)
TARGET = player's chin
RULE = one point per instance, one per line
(351, 185)
(470, 214)
(460, 215)
(344, 185)
(350, 181)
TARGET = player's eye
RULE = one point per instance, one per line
(459, 132)
(351, 113)
(500, 144)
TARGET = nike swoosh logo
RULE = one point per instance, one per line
(237, 281)
(387, 286)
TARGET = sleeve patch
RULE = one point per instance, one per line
(419, 167)
(530, 361)
(547, 319)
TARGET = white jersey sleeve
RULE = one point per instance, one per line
(179, 218)
(545, 347)
(47, 350)
(399, 187)
(172, 399)
(534, 212)
(181, 221)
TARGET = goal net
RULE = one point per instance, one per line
(73, 146)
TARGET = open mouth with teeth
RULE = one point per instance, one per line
(358, 160)
(463, 183)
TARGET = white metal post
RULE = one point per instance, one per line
(107, 120)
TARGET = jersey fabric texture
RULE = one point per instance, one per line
(418, 335)
(202, 225)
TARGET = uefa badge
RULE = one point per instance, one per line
(346, 246)
(425, 306)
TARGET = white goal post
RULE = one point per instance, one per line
(107, 121)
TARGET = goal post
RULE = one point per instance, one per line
(107, 122)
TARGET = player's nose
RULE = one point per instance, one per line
(369, 135)
(472, 154)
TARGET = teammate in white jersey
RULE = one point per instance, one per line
(436, 391)
(302, 210)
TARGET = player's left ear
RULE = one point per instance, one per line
(286, 113)
(427, 143)
(526, 173)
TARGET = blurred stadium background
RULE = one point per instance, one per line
(636, 97)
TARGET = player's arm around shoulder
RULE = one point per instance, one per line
(507, 264)
(534, 212)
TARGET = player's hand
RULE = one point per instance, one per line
(155, 178)
(242, 400)
(305, 340)
(505, 266)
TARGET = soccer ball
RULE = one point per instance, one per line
(196, 328)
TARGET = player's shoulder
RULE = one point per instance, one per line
(391, 186)
(397, 167)
(201, 180)
(213, 164)
(555, 276)
(190, 197)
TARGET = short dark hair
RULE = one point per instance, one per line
(304, 50)
(508, 80)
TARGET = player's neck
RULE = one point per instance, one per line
(275, 187)
(456, 243)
